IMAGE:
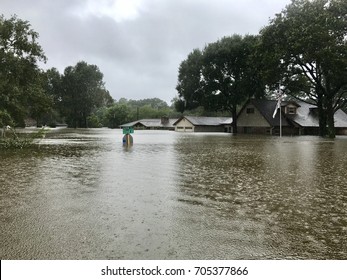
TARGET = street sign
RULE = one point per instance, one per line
(128, 130)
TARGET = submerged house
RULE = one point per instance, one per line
(163, 123)
(297, 118)
(203, 124)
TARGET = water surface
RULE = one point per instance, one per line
(79, 194)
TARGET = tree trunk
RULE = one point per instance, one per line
(234, 116)
(330, 120)
(322, 121)
(321, 114)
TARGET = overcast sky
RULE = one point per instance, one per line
(137, 44)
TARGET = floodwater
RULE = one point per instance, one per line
(79, 194)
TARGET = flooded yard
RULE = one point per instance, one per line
(79, 194)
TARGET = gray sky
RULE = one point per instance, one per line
(137, 44)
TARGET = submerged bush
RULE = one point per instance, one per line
(10, 140)
(15, 143)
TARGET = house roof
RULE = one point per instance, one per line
(340, 118)
(151, 123)
(295, 103)
(306, 116)
(206, 121)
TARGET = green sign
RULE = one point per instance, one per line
(128, 130)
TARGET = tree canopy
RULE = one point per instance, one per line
(83, 91)
(189, 78)
(20, 77)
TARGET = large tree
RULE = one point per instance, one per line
(189, 78)
(54, 90)
(20, 76)
(305, 49)
(230, 74)
(83, 91)
(40, 104)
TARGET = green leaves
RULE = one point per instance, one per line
(5, 119)
(83, 92)
(189, 78)
(19, 74)
(221, 76)
(18, 39)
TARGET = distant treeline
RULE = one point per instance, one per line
(124, 111)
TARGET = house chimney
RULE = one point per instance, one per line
(164, 120)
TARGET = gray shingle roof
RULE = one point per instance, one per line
(207, 121)
(307, 116)
(155, 123)
(340, 118)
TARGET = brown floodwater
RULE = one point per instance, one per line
(79, 194)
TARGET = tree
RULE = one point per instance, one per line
(39, 102)
(147, 108)
(304, 48)
(117, 114)
(155, 103)
(189, 78)
(5, 119)
(83, 91)
(54, 90)
(230, 75)
(20, 76)
(53, 87)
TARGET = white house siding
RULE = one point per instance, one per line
(184, 126)
(253, 123)
(253, 119)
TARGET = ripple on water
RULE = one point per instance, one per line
(80, 194)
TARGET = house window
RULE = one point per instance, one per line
(291, 110)
(250, 111)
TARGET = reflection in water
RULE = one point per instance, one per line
(82, 195)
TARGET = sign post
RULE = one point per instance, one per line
(279, 96)
(127, 138)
